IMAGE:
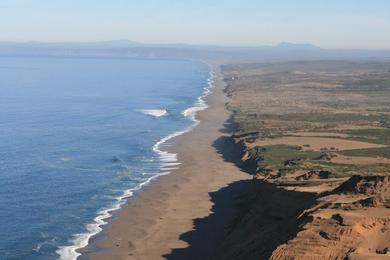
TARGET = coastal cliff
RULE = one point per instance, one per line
(315, 137)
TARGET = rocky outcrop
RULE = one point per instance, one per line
(351, 222)
(326, 156)
(315, 174)
(368, 185)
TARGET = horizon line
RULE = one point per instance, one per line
(146, 44)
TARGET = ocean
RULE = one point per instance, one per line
(78, 137)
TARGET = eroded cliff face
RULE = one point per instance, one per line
(282, 218)
(349, 222)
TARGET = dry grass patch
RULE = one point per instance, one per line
(320, 134)
(343, 159)
(316, 143)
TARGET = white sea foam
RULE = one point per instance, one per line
(170, 159)
(154, 112)
(81, 240)
(169, 163)
(47, 241)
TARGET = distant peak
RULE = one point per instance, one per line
(289, 45)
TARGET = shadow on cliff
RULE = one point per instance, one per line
(229, 126)
(229, 150)
(249, 226)
(249, 219)
(267, 217)
(232, 151)
(210, 230)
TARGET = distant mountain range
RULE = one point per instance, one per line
(132, 44)
(82, 45)
(130, 49)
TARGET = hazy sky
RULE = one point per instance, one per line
(327, 23)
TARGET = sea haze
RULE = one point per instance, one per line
(77, 136)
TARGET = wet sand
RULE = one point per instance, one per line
(182, 215)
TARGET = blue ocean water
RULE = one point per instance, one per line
(76, 136)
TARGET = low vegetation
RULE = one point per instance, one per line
(340, 100)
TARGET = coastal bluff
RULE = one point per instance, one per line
(314, 136)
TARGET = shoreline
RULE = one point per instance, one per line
(168, 162)
(143, 217)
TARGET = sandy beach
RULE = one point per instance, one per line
(183, 214)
